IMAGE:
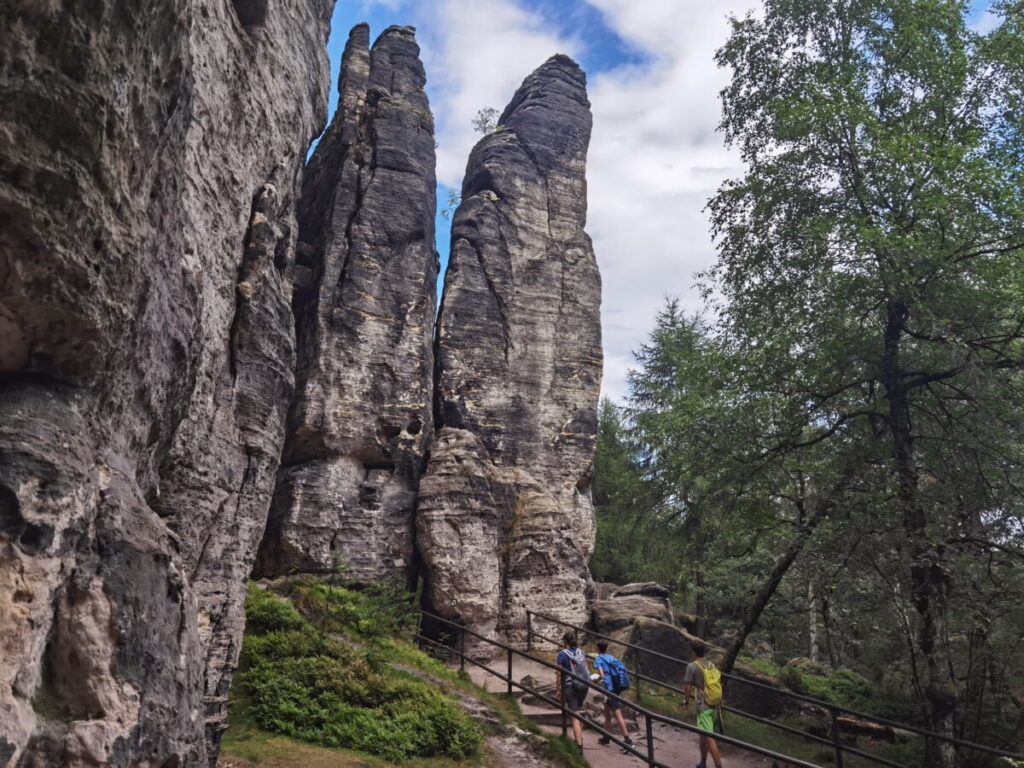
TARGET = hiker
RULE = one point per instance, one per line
(704, 681)
(570, 685)
(616, 680)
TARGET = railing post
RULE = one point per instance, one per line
(636, 666)
(462, 649)
(650, 739)
(509, 671)
(835, 737)
(529, 631)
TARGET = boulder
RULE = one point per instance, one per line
(647, 589)
(618, 612)
(604, 589)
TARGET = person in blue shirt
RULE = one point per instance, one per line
(571, 681)
(603, 664)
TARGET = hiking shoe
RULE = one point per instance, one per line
(605, 740)
(629, 742)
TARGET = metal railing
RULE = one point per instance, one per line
(650, 717)
(833, 710)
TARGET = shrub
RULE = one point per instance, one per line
(372, 612)
(266, 612)
(313, 687)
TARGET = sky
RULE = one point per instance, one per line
(655, 156)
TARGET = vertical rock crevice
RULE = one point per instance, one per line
(361, 419)
(505, 519)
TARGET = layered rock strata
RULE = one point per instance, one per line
(149, 157)
(361, 420)
(505, 519)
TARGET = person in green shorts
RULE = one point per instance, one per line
(693, 684)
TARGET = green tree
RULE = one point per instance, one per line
(486, 120)
(870, 259)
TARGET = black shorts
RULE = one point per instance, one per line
(614, 704)
(574, 694)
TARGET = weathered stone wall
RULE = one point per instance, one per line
(149, 156)
(505, 519)
(358, 429)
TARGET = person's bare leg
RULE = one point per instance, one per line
(622, 724)
(713, 749)
(577, 731)
(703, 749)
(608, 718)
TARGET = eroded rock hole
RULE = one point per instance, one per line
(252, 13)
(35, 538)
(11, 521)
(414, 427)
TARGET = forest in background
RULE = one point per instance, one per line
(827, 462)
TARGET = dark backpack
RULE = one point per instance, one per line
(578, 667)
(617, 671)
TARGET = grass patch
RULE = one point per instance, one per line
(765, 736)
(369, 613)
(307, 685)
(761, 665)
(297, 677)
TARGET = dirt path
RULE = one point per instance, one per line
(673, 746)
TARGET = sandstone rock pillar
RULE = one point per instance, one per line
(149, 155)
(362, 415)
(505, 519)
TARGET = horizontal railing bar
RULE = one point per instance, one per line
(681, 692)
(544, 697)
(801, 697)
(812, 736)
(655, 716)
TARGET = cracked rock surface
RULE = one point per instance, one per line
(149, 162)
(361, 420)
(505, 518)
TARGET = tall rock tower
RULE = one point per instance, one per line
(505, 519)
(365, 310)
(149, 167)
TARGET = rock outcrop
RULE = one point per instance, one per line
(621, 611)
(149, 157)
(358, 429)
(505, 519)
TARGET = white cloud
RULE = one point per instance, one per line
(987, 22)
(476, 53)
(655, 159)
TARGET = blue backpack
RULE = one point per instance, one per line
(618, 671)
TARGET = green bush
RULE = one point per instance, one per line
(265, 612)
(792, 679)
(371, 612)
(313, 687)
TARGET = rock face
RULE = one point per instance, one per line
(362, 416)
(505, 520)
(149, 158)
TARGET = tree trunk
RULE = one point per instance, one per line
(771, 584)
(812, 621)
(826, 615)
(927, 578)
